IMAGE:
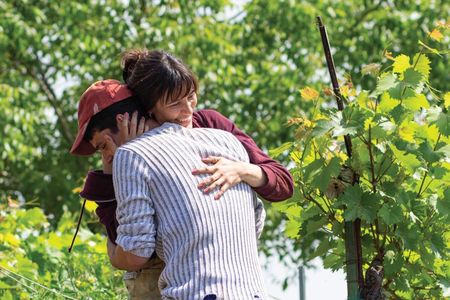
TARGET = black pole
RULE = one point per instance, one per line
(355, 280)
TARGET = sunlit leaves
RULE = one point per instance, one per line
(417, 102)
(435, 34)
(409, 161)
(447, 100)
(292, 228)
(422, 65)
(29, 249)
(309, 93)
(400, 136)
(401, 63)
(386, 82)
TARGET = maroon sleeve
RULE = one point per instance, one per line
(99, 187)
(280, 185)
(106, 212)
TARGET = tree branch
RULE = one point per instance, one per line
(42, 80)
(363, 15)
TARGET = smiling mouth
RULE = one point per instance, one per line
(184, 121)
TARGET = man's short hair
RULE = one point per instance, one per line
(106, 119)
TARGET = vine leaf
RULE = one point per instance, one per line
(401, 63)
(359, 204)
(292, 228)
(412, 77)
(436, 35)
(409, 161)
(447, 100)
(417, 102)
(331, 170)
(309, 93)
(422, 65)
(386, 82)
(390, 213)
(443, 123)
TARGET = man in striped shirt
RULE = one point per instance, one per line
(209, 246)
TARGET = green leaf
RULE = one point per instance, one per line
(292, 228)
(422, 65)
(443, 205)
(386, 82)
(280, 150)
(416, 103)
(323, 179)
(387, 103)
(310, 212)
(409, 161)
(358, 204)
(447, 100)
(293, 211)
(401, 63)
(333, 261)
(401, 91)
(443, 123)
(324, 246)
(315, 224)
(4, 285)
(390, 213)
(399, 113)
(392, 263)
(7, 296)
(412, 77)
(312, 169)
(410, 234)
(438, 244)
(322, 127)
(428, 154)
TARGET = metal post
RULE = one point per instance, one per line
(353, 252)
(301, 282)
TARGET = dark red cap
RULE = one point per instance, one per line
(96, 98)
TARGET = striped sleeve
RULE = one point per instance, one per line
(136, 232)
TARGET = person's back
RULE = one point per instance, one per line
(209, 246)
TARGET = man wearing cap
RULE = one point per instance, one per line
(101, 97)
(156, 193)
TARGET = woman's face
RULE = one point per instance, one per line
(178, 111)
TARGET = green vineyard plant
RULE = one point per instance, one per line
(35, 264)
(401, 164)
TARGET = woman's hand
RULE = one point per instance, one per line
(128, 130)
(226, 173)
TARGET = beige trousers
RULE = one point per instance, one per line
(143, 284)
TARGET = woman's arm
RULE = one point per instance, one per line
(276, 181)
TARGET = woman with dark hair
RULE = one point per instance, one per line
(167, 89)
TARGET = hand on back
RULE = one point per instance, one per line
(225, 174)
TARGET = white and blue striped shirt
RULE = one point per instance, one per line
(209, 246)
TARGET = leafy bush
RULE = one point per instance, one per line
(401, 154)
(35, 263)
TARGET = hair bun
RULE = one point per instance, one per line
(129, 60)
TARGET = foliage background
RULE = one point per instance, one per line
(251, 59)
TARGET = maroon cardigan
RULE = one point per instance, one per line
(99, 187)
